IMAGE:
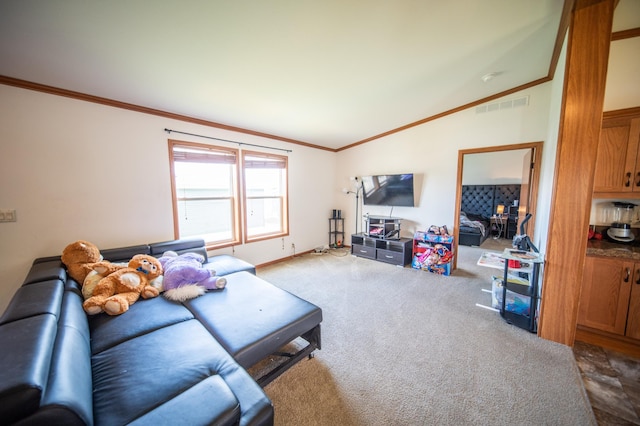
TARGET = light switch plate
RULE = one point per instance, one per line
(7, 215)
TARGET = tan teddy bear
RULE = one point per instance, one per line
(99, 270)
(78, 258)
(116, 292)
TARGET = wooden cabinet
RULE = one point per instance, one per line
(618, 161)
(609, 305)
(633, 317)
(610, 299)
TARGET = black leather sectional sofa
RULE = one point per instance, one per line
(160, 363)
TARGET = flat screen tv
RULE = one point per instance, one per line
(388, 190)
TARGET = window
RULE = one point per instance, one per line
(206, 194)
(205, 189)
(265, 195)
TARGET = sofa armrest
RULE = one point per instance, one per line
(24, 369)
(34, 299)
(45, 269)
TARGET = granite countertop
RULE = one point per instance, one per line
(606, 248)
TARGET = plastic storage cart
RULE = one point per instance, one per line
(520, 289)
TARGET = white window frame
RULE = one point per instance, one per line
(261, 160)
(185, 152)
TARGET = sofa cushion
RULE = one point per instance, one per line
(195, 245)
(221, 405)
(136, 377)
(124, 254)
(142, 317)
(224, 264)
(252, 318)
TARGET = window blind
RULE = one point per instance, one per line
(253, 161)
(195, 155)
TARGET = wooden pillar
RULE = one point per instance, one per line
(583, 98)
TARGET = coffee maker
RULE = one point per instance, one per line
(622, 215)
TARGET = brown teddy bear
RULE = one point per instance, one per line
(117, 291)
(99, 270)
(78, 258)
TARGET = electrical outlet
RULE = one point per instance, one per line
(7, 215)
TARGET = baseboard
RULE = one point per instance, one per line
(619, 344)
(282, 259)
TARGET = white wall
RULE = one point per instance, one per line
(623, 79)
(431, 151)
(493, 168)
(77, 170)
(549, 152)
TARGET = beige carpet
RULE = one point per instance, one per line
(496, 244)
(406, 347)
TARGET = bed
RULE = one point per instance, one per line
(474, 229)
(478, 203)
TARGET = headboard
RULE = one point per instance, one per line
(483, 200)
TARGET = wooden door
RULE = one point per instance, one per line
(525, 193)
(604, 300)
(616, 159)
(633, 317)
(634, 148)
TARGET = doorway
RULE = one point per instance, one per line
(529, 185)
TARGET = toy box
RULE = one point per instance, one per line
(433, 238)
(432, 252)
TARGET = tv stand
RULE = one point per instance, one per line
(391, 234)
(397, 251)
(383, 227)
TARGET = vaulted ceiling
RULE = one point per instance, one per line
(330, 73)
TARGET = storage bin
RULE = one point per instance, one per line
(516, 303)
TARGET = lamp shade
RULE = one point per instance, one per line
(500, 209)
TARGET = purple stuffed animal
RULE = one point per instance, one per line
(185, 278)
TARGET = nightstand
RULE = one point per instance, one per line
(498, 225)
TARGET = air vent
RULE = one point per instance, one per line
(510, 104)
(524, 101)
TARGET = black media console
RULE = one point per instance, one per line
(397, 251)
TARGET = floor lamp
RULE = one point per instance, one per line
(357, 193)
